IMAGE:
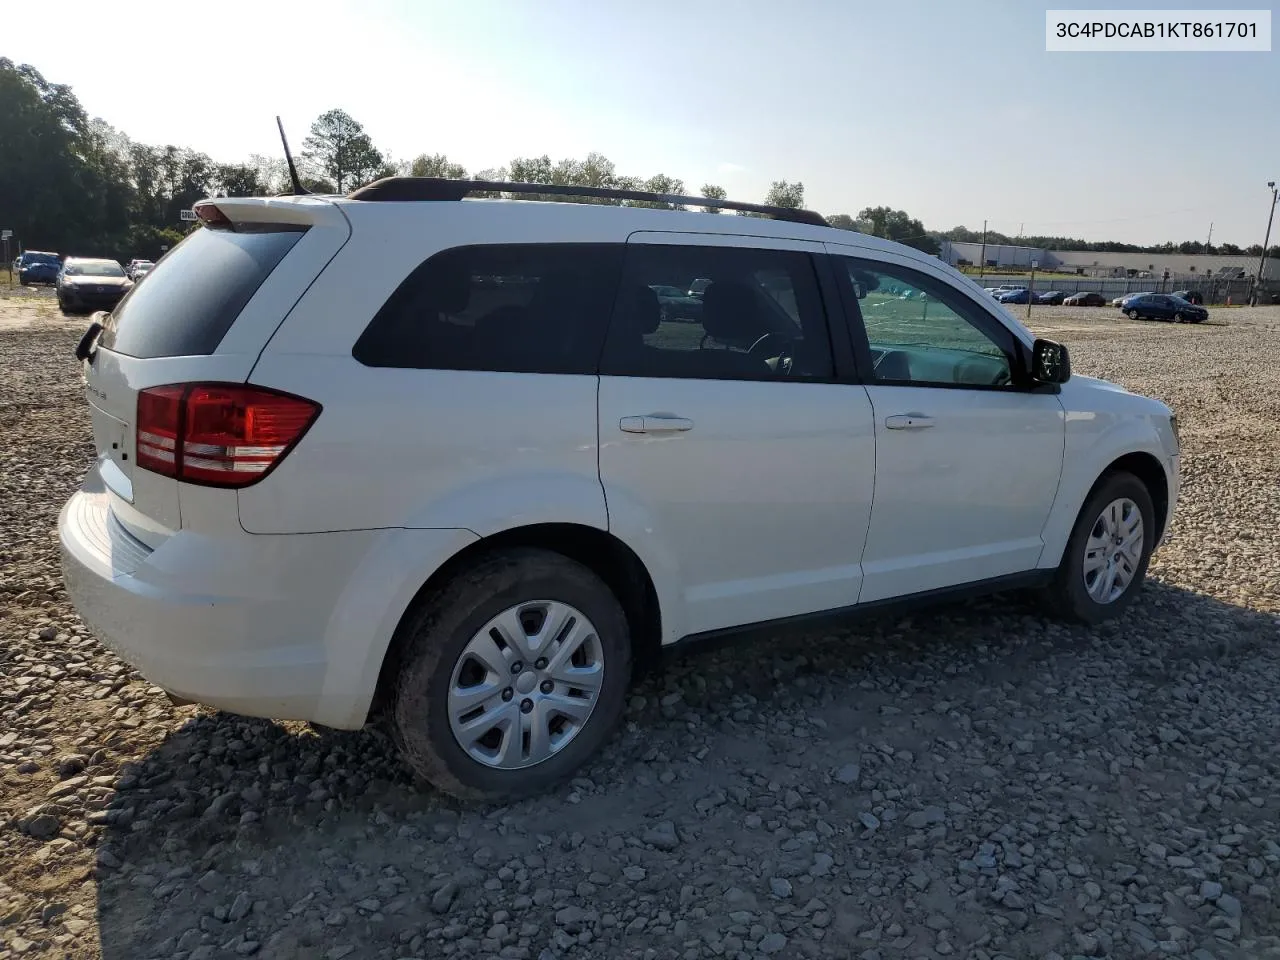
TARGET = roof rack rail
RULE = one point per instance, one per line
(439, 188)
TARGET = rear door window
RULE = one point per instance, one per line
(759, 315)
(515, 308)
(196, 291)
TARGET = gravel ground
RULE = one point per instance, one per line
(971, 781)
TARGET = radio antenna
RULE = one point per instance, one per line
(298, 188)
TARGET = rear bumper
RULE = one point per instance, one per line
(240, 653)
(289, 627)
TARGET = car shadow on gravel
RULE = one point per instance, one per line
(238, 836)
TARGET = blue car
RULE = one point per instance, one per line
(36, 266)
(1016, 296)
(1163, 306)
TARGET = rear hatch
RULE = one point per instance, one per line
(203, 315)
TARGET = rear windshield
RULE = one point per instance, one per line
(195, 293)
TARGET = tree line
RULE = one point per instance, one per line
(75, 184)
(965, 235)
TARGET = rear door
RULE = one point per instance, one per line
(204, 314)
(732, 456)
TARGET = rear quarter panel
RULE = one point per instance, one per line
(423, 448)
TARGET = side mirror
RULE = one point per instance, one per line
(1050, 362)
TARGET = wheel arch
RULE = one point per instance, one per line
(598, 550)
(1129, 453)
(1148, 469)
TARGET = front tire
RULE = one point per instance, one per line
(1105, 562)
(1133, 314)
(514, 674)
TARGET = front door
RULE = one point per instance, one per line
(967, 460)
(731, 459)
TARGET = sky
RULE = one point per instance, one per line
(951, 111)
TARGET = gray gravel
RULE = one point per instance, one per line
(971, 781)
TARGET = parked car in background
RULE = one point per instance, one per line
(675, 304)
(135, 268)
(86, 284)
(38, 266)
(1051, 298)
(314, 499)
(1020, 295)
(1163, 306)
(1085, 298)
(1134, 296)
(698, 287)
(1191, 296)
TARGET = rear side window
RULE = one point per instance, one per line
(186, 305)
(516, 308)
(757, 316)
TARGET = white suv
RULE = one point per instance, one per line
(408, 455)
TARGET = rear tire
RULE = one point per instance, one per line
(1133, 315)
(1072, 594)
(449, 635)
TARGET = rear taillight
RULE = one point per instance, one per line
(219, 435)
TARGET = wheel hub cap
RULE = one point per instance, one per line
(1113, 552)
(525, 684)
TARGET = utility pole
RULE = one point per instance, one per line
(982, 260)
(1031, 290)
(1208, 246)
(1262, 260)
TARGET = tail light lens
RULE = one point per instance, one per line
(218, 435)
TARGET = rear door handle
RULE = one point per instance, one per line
(655, 423)
(908, 421)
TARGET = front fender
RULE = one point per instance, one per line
(1095, 440)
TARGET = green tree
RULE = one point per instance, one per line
(43, 168)
(436, 165)
(339, 150)
(842, 221)
(659, 183)
(899, 226)
(530, 170)
(237, 180)
(712, 192)
(783, 194)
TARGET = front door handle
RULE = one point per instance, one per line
(655, 423)
(908, 421)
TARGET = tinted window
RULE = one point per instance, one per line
(195, 293)
(518, 308)
(921, 330)
(756, 315)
